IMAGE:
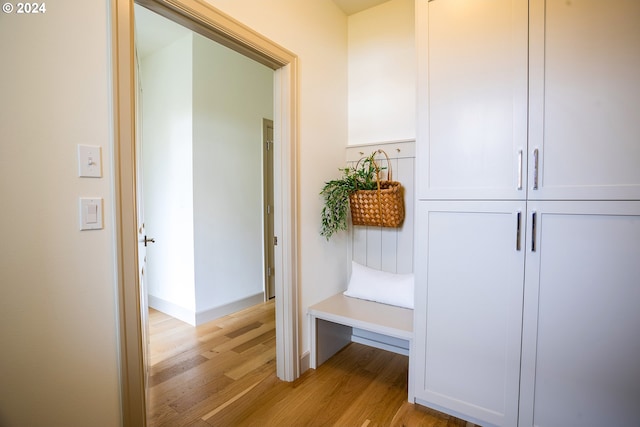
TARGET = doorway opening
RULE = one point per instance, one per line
(268, 208)
(213, 24)
(202, 112)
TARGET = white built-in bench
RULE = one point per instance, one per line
(339, 320)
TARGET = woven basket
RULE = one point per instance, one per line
(383, 207)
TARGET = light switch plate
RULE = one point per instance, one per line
(90, 213)
(89, 161)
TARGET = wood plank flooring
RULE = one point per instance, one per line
(223, 374)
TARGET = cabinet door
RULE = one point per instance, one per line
(472, 99)
(585, 100)
(581, 332)
(468, 311)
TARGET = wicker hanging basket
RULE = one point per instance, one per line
(383, 207)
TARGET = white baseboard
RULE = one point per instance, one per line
(305, 362)
(198, 318)
(232, 307)
(173, 310)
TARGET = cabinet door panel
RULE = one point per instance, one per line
(473, 96)
(581, 337)
(585, 99)
(469, 285)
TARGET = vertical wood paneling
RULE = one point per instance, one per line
(388, 249)
(374, 247)
(404, 244)
(359, 245)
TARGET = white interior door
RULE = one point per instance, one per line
(142, 233)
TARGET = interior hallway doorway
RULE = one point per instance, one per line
(203, 106)
(208, 21)
(202, 141)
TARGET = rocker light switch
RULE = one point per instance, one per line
(90, 214)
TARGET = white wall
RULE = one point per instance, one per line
(167, 118)
(382, 73)
(58, 323)
(316, 31)
(231, 96)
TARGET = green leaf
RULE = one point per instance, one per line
(334, 215)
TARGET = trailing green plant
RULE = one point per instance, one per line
(336, 193)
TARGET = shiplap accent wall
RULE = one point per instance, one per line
(387, 249)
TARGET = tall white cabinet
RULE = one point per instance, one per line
(528, 214)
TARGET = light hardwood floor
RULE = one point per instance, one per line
(223, 374)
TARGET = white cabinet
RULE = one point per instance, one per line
(517, 95)
(547, 335)
(472, 114)
(584, 100)
(579, 329)
(581, 335)
(470, 270)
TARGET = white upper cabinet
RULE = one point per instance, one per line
(584, 100)
(534, 99)
(472, 99)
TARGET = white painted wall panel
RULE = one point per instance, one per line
(382, 73)
(232, 94)
(58, 317)
(167, 122)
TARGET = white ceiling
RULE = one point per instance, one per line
(154, 31)
(354, 6)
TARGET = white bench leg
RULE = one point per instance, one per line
(327, 338)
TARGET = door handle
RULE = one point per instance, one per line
(148, 240)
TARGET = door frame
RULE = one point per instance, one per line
(211, 23)
(267, 208)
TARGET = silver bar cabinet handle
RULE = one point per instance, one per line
(518, 230)
(535, 169)
(519, 169)
(534, 227)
